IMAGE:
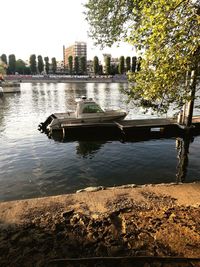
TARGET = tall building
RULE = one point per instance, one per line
(78, 49)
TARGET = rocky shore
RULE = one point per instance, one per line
(133, 223)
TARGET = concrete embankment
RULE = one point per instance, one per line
(60, 80)
(152, 220)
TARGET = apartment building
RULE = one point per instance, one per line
(78, 49)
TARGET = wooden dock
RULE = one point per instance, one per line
(124, 124)
(126, 129)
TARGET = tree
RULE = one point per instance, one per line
(11, 64)
(46, 60)
(108, 20)
(133, 65)
(2, 70)
(4, 64)
(169, 35)
(32, 61)
(166, 34)
(40, 64)
(138, 64)
(121, 65)
(83, 65)
(54, 65)
(20, 66)
(96, 65)
(128, 63)
(100, 69)
(4, 58)
(107, 65)
(70, 63)
(114, 69)
(76, 65)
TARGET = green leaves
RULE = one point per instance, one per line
(168, 33)
(33, 64)
(70, 64)
(108, 20)
(46, 60)
(40, 64)
(54, 65)
(96, 65)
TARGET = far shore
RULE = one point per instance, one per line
(68, 80)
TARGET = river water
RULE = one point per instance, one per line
(32, 165)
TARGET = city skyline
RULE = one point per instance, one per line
(43, 27)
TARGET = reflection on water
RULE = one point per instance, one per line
(32, 165)
(182, 146)
(89, 148)
(86, 149)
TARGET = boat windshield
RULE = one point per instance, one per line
(92, 108)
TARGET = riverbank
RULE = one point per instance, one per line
(159, 220)
(60, 79)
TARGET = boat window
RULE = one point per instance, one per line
(92, 108)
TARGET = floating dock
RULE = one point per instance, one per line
(158, 127)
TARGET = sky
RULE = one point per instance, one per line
(42, 27)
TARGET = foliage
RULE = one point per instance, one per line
(138, 64)
(46, 60)
(108, 20)
(11, 64)
(83, 65)
(2, 69)
(20, 66)
(4, 58)
(128, 63)
(54, 65)
(76, 65)
(114, 69)
(121, 65)
(33, 64)
(107, 65)
(100, 69)
(168, 33)
(40, 64)
(133, 65)
(70, 63)
(165, 33)
(3, 65)
(96, 65)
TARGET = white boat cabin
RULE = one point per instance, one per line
(89, 106)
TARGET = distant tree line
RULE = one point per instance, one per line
(36, 65)
(79, 65)
(124, 65)
(76, 66)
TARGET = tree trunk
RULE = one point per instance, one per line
(191, 102)
(193, 82)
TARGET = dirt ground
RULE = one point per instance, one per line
(127, 225)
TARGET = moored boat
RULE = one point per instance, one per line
(87, 112)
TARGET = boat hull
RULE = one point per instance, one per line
(58, 121)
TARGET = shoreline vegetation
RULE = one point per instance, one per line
(151, 220)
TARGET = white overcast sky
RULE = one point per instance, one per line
(42, 27)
